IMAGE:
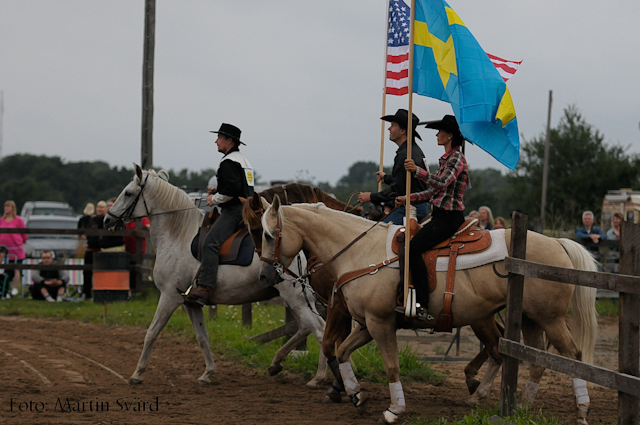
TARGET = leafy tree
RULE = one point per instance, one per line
(361, 177)
(582, 168)
(488, 187)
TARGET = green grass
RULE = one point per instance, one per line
(607, 307)
(227, 336)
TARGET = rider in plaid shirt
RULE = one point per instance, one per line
(446, 192)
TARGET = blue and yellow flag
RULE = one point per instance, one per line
(450, 65)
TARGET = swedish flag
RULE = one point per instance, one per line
(450, 65)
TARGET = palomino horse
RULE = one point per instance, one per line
(339, 320)
(371, 299)
(174, 222)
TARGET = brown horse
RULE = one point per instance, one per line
(480, 293)
(338, 318)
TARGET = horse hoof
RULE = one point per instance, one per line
(204, 381)
(388, 418)
(135, 381)
(312, 384)
(473, 386)
(361, 402)
(334, 395)
(275, 369)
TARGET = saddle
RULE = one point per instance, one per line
(236, 250)
(468, 239)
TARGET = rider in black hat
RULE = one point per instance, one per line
(235, 180)
(397, 180)
(445, 192)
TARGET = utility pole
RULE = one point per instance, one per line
(545, 168)
(147, 84)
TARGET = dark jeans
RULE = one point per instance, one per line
(221, 230)
(396, 217)
(443, 225)
(36, 290)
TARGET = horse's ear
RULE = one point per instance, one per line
(265, 203)
(138, 170)
(164, 175)
(256, 200)
(276, 203)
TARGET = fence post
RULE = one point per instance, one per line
(515, 289)
(246, 315)
(629, 315)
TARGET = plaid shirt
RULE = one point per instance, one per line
(446, 189)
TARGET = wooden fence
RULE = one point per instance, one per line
(626, 380)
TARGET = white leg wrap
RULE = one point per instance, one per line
(581, 392)
(397, 397)
(351, 384)
(529, 392)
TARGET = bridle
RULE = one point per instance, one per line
(286, 273)
(126, 214)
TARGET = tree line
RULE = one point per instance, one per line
(582, 168)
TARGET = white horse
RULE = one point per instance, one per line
(174, 222)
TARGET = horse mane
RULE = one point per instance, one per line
(291, 193)
(180, 224)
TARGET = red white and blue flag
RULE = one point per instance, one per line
(398, 51)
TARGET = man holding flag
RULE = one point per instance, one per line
(397, 181)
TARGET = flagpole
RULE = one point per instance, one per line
(384, 96)
(409, 155)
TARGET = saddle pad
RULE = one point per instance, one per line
(235, 251)
(497, 251)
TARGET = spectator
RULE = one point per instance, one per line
(93, 245)
(13, 241)
(89, 211)
(500, 223)
(486, 218)
(130, 246)
(112, 243)
(5, 275)
(49, 284)
(474, 214)
(589, 231)
(614, 232)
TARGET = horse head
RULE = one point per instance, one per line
(277, 253)
(131, 203)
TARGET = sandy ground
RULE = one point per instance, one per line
(65, 372)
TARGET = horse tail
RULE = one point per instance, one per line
(585, 318)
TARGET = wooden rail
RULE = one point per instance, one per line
(626, 380)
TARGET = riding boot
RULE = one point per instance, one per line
(333, 394)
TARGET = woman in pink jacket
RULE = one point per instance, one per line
(13, 241)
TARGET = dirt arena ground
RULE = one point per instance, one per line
(64, 372)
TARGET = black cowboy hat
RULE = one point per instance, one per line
(229, 130)
(448, 123)
(402, 118)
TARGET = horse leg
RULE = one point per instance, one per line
(560, 337)
(384, 334)
(533, 336)
(202, 336)
(309, 320)
(337, 330)
(358, 337)
(488, 332)
(166, 306)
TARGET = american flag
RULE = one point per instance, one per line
(398, 51)
(505, 68)
(398, 48)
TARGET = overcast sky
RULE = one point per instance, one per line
(302, 79)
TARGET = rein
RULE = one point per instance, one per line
(282, 270)
(126, 214)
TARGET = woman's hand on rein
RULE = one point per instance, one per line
(400, 201)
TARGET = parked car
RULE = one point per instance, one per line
(46, 208)
(63, 246)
